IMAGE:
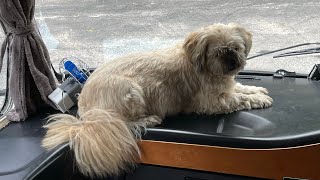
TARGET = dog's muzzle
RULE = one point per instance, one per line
(230, 58)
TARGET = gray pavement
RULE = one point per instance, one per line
(99, 30)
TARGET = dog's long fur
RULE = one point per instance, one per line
(139, 90)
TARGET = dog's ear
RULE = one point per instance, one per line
(195, 47)
(248, 41)
(246, 36)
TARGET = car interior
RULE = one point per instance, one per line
(279, 142)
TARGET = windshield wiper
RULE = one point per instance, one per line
(307, 51)
(298, 53)
(247, 77)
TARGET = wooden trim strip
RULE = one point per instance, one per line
(298, 162)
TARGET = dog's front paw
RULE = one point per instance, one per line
(260, 101)
(256, 90)
(261, 90)
(244, 89)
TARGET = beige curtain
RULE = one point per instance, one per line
(31, 79)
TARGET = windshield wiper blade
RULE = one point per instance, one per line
(247, 77)
(278, 50)
(299, 53)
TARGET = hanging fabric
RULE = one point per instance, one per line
(31, 79)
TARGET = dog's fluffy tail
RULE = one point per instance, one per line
(102, 142)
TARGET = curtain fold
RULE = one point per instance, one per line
(31, 78)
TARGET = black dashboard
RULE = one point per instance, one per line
(293, 120)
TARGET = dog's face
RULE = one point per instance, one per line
(219, 49)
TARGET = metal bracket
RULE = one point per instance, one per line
(315, 73)
(281, 73)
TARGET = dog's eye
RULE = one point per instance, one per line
(237, 49)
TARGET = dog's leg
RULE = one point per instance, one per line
(238, 101)
(150, 121)
(245, 89)
(146, 121)
(142, 123)
(229, 102)
(259, 100)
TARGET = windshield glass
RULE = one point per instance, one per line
(3, 76)
(98, 31)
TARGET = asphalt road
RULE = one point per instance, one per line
(99, 30)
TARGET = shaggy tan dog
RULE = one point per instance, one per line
(140, 90)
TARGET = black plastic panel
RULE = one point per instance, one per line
(166, 173)
(20, 152)
(293, 120)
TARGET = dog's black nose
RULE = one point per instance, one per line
(230, 59)
(231, 67)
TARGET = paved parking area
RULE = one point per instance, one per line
(99, 30)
